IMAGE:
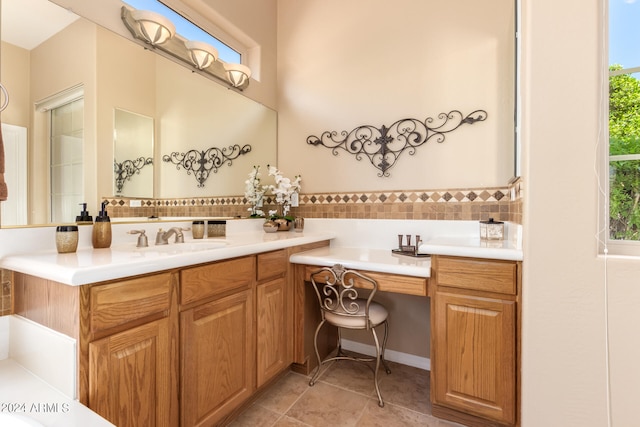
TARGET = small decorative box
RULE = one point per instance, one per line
(491, 230)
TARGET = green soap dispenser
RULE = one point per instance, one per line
(101, 235)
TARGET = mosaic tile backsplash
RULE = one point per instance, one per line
(503, 204)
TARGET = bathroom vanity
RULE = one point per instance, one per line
(185, 338)
(183, 346)
(475, 323)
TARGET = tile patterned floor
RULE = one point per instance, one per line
(344, 396)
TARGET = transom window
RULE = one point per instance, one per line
(624, 121)
(188, 29)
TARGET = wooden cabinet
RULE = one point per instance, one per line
(475, 340)
(273, 319)
(185, 347)
(217, 358)
(130, 376)
(132, 355)
(216, 340)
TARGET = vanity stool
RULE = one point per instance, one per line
(341, 306)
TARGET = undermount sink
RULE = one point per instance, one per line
(174, 248)
(17, 420)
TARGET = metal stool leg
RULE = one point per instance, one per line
(384, 346)
(375, 372)
(315, 345)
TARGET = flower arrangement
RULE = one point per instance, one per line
(283, 190)
(254, 192)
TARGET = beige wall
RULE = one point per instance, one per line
(565, 280)
(342, 64)
(14, 73)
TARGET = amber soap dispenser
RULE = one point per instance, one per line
(101, 235)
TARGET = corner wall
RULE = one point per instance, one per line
(568, 286)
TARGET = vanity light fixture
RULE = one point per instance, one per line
(237, 74)
(148, 27)
(202, 54)
(155, 28)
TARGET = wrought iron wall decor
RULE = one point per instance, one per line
(383, 146)
(127, 169)
(201, 163)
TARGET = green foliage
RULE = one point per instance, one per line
(624, 138)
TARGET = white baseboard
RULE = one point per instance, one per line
(390, 355)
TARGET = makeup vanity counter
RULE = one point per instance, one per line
(472, 285)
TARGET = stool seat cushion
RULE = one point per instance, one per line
(377, 315)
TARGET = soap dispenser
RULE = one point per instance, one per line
(84, 217)
(101, 236)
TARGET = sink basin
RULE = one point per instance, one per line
(175, 248)
(17, 420)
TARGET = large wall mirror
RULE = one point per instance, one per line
(50, 53)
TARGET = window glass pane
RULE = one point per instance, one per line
(624, 120)
(624, 212)
(624, 33)
(187, 29)
(624, 113)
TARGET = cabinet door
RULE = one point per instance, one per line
(272, 333)
(475, 351)
(130, 376)
(217, 356)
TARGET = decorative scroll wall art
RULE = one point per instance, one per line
(201, 163)
(127, 169)
(384, 146)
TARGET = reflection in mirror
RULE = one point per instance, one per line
(66, 149)
(110, 69)
(132, 154)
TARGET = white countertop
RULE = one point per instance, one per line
(379, 260)
(88, 265)
(362, 244)
(472, 246)
(25, 394)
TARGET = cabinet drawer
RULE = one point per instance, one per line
(477, 274)
(122, 302)
(272, 264)
(214, 279)
(387, 282)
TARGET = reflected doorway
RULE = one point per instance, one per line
(66, 143)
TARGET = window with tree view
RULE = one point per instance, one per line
(624, 120)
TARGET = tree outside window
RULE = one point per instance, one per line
(624, 155)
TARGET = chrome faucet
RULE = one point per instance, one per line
(162, 238)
